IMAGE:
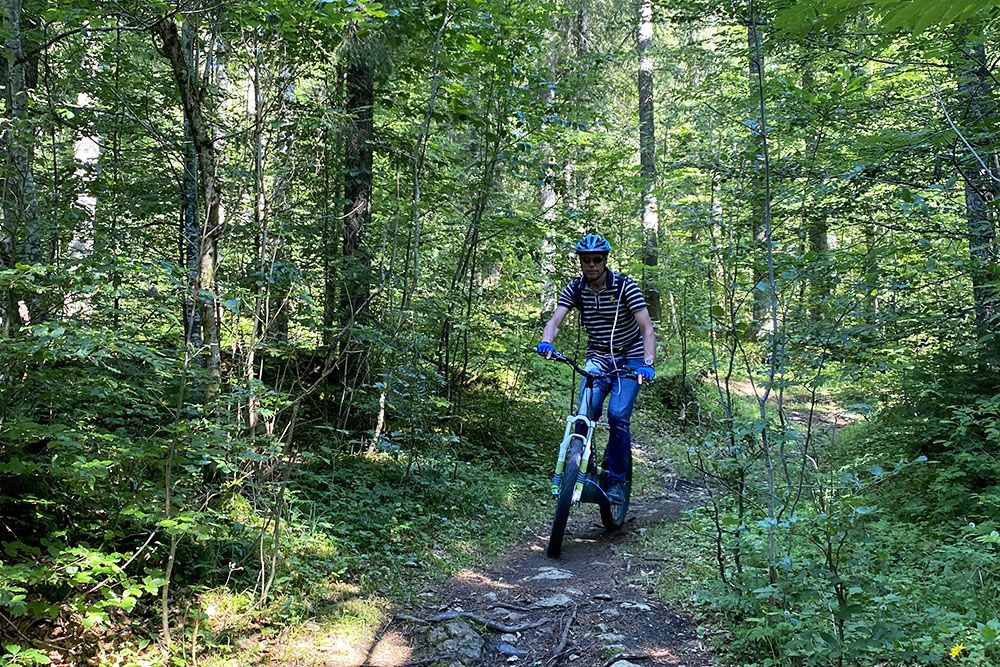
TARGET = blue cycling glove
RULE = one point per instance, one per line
(545, 348)
(646, 372)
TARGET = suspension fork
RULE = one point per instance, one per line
(569, 435)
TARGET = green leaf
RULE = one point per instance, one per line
(990, 630)
(473, 44)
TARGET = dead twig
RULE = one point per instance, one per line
(561, 648)
(511, 607)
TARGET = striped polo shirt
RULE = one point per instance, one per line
(598, 311)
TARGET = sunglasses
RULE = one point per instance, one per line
(599, 259)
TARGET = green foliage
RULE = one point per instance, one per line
(853, 583)
(19, 655)
(374, 402)
(915, 16)
(374, 521)
(952, 418)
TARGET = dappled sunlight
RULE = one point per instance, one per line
(391, 650)
(225, 610)
(316, 647)
(663, 655)
(344, 632)
(471, 577)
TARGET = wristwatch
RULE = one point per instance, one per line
(648, 361)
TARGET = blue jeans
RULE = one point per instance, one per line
(623, 394)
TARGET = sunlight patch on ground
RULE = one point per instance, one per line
(314, 645)
(471, 577)
(225, 610)
(341, 634)
(664, 655)
(391, 650)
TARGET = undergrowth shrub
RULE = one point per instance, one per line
(92, 444)
(883, 552)
(957, 425)
(86, 425)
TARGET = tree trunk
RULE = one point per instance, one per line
(549, 251)
(333, 181)
(356, 263)
(8, 255)
(818, 237)
(192, 94)
(190, 250)
(22, 242)
(815, 296)
(358, 188)
(420, 146)
(647, 158)
(547, 199)
(978, 161)
(758, 267)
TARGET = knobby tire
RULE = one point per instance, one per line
(570, 472)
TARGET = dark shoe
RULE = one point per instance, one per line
(616, 494)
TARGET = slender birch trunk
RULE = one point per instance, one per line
(647, 158)
(759, 323)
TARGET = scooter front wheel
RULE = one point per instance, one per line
(571, 471)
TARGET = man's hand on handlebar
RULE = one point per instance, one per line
(646, 372)
(546, 349)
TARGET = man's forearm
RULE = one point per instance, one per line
(550, 331)
(649, 345)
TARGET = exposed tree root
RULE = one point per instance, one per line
(489, 623)
(561, 648)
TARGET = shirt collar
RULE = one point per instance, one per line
(611, 282)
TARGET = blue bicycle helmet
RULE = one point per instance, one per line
(593, 243)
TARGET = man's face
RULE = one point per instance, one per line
(592, 265)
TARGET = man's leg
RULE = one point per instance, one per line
(596, 396)
(620, 406)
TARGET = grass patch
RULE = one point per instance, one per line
(364, 535)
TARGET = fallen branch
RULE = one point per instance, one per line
(561, 648)
(511, 607)
(496, 626)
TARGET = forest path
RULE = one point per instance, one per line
(594, 607)
(824, 415)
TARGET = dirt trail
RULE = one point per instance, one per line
(594, 607)
(827, 416)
